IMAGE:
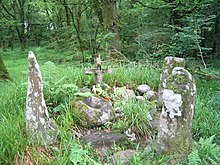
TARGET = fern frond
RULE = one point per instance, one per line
(194, 158)
(205, 152)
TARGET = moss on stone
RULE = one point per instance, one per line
(179, 142)
(79, 109)
(180, 146)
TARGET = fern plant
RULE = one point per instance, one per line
(205, 152)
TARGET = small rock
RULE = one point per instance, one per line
(130, 135)
(151, 95)
(84, 90)
(122, 157)
(140, 98)
(125, 94)
(143, 88)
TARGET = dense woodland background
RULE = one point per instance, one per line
(131, 29)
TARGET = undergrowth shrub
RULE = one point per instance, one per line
(205, 152)
(12, 122)
(137, 114)
(133, 75)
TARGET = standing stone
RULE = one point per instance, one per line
(38, 124)
(169, 64)
(175, 124)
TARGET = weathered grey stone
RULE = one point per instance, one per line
(175, 124)
(140, 98)
(125, 94)
(143, 88)
(131, 135)
(94, 102)
(92, 111)
(39, 125)
(169, 64)
(151, 95)
(84, 90)
(103, 139)
(122, 157)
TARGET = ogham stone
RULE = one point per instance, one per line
(38, 124)
(169, 64)
(175, 124)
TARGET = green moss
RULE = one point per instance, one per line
(172, 64)
(80, 116)
(180, 146)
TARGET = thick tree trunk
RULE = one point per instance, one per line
(111, 24)
(3, 71)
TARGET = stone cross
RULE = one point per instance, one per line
(38, 124)
(177, 96)
(98, 71)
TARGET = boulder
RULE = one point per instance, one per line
(103, 139)
(92, 111)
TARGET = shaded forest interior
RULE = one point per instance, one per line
(131, 29)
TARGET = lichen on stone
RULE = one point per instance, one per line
(172, 103)
(175, 124)
(37, 117)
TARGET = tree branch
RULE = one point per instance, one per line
(144, 5)
(7, 11)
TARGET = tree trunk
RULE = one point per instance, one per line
(68, 18)
(22, 19)
(3, 71)
(111, 24)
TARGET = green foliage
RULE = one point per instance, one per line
(3, 71)
(133, 74)
(186, 40)
(137, 116)
(142, 31)
(215, 100)
(60, 92)
(12, 122)
(206, 111)
(149, 156)
(77, 155)
(205, 152)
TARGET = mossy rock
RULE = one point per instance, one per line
(88, 116)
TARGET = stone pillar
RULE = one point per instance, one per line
(169, 64)
(38, 124)
(175, 124)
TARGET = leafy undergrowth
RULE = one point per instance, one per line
(61, 82)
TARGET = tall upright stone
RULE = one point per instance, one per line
(177, 96)
(38, 124)
(169, 64)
